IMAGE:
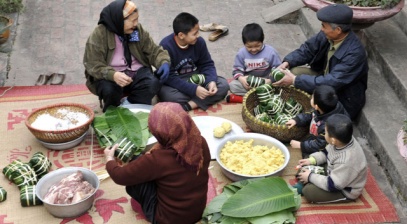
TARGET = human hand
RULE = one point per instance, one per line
(109, 152)
(287, 80)
(201, 92)
(304, 162)
(303, 175)
(164, 72)
(243, 80)
(212, 88)
(295, 144)
(122, 79)
(283, 66)
(290, 123)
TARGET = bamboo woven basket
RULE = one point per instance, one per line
(280, 132)
(59, 136)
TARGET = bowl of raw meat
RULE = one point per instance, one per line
(68, 192)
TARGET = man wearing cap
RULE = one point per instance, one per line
(335, 56)
(118, 58)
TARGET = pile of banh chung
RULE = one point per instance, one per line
(25, 176)
(272, 107)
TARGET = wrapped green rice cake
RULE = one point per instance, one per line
(125, 151)
(28, 196)
(23, 175)
(292, 107)
(11, 167)
(40, 164)
(198, 79)
(3, 194)
(255, 81)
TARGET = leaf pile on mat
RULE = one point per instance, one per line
(256, 201)
(119, 125)
(25, 177)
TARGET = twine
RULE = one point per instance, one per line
(5, 91)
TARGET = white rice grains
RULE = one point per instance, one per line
(62, 120)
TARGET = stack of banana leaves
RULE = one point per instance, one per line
(25, 177)
(119, 125)
(255, 201)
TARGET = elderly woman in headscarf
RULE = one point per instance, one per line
(118, 58)
(171, 180)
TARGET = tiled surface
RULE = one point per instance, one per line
(51, 35)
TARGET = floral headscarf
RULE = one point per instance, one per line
(112, 16)
(174, 129)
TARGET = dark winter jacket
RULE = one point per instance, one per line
(100, 48)
(348, 69)
(195, 59)
(316, 140)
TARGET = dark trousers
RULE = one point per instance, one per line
(170, 94)
(142, 90)
(146, 195)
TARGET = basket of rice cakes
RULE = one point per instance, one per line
(266, 110)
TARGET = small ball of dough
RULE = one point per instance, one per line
(227, 126)
(219, 132)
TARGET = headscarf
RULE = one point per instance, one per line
(128, 8)
(175, 130)
(112, 16)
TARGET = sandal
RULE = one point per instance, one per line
(220, 32)
(208, 27)
(57, 79)
(42, 80)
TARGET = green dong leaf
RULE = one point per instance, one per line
(269, 195)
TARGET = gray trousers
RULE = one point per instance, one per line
(169, 94)
(237, 88)
(315, 194)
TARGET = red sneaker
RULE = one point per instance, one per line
(232, 98)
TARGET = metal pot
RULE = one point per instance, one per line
(258, 139)
(69, 210)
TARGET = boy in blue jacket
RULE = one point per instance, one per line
(325, 103)
(189, 55)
